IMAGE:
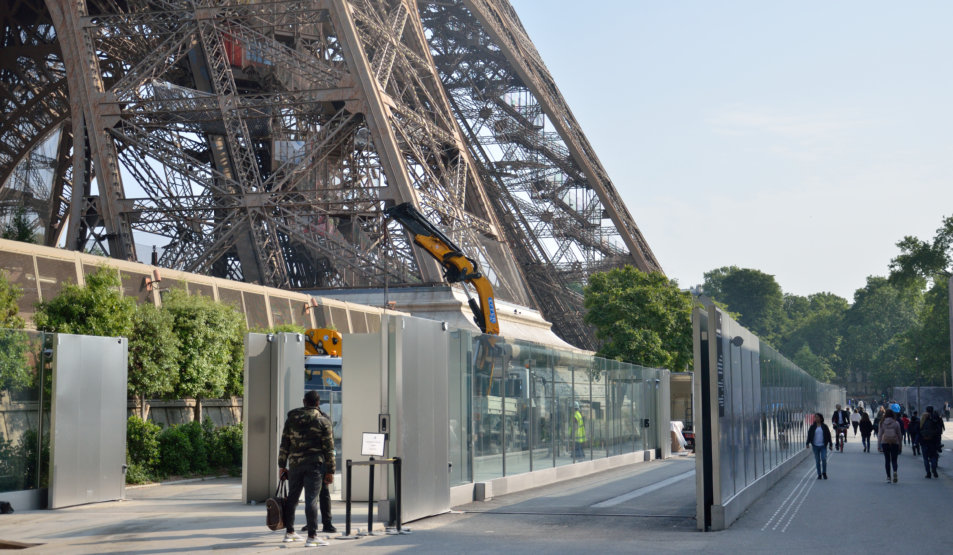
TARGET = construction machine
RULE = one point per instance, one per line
(457, 267)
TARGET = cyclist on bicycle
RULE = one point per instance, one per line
(841, 422)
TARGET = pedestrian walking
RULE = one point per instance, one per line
(819, 439)
(888, 442)
(878, 419)
(913, 430)
(931, 431)
(946, 411)
(855, 420)
(866, 427)
(904, 424)
(306, 459)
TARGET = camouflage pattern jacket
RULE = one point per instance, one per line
(307, 440)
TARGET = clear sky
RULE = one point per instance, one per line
(803, 139)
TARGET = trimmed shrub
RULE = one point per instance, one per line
(142, 445)
(137, 474)
(175, 452)
(229, 441)
(198, 462)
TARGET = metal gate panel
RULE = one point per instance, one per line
(88, 420)
(423, 418)
(274, 384)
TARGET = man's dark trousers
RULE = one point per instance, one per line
(311, 478)
(325, 501)
(930, 454)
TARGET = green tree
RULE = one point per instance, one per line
(924, 259)
(881, 311)
(814, 322)
(640, 318)
(19, 228)
(15, 371)
(153, 355)
(814, 365)
(929, 263)
(211, 336)
(98, 308)
(754, 295)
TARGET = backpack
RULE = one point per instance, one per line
(929, 430)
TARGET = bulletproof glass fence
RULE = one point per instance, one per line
(518, 407)
(25, 380)
(755, 409)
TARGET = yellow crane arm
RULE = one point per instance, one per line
(457, 266)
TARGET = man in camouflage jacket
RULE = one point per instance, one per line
(306, 458)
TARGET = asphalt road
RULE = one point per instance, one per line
(643, 508)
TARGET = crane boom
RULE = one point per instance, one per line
(457, 266)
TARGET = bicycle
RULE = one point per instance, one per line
(841, 438)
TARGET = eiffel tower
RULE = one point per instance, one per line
(261, 140)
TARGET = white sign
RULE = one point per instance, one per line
(372, 445)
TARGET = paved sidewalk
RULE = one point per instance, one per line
(854, 509)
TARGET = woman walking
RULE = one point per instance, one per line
(888, 441)
(819, 437)
(866, 427)
(855, 420)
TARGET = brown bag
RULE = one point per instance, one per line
(274, 519)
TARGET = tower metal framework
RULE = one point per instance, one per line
(261, 140)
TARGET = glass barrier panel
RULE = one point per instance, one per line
(487, 408)
(24, 410)
(20, 272)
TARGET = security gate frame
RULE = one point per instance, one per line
(88, 420)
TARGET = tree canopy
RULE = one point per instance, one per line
(98, 308)
(640, 318)
(754, 295)
(15, 371)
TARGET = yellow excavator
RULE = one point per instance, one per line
(327, 344)
(457, 266)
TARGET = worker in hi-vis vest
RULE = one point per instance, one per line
(579, 433)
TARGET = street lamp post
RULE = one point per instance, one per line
(916, 361)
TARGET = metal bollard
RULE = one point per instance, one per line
(397, 488)
(370, 499)
(347, 498)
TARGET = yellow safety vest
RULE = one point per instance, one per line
(580, 427)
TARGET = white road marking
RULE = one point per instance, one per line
(642, 491)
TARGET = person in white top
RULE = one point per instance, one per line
(855, 420)
(819, 437)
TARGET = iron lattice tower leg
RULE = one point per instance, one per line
(261, 141)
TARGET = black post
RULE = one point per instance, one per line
(397, 488)
(370, 499)
(347, 498)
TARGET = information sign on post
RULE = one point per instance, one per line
(372, 445)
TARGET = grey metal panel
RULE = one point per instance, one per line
(88, 420)
(664, 408)
(364, 363)
(423, 418)
(256, 419)
(274, 384)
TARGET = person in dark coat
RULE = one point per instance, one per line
(306, 459)
(866, 428)
(819, 437)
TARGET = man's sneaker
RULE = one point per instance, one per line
(314, 542)
(928, 476)
(895, 477)
(329, 528)
(825, 475)
(888, 479)
(935, 475)
(292, 537)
